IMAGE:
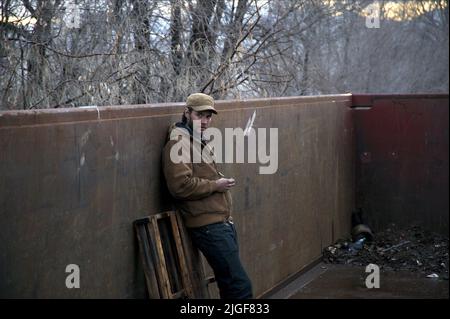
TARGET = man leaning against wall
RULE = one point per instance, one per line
(202, 195)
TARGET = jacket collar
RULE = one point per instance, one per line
(189, 129)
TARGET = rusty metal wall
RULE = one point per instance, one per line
(402, 160)
(73, 181)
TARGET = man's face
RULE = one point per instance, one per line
(203, 117)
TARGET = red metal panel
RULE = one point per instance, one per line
(402, 159)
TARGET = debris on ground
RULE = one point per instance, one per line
(411, 248)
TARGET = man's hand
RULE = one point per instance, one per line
(224, 184)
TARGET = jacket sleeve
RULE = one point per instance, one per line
(180, 180)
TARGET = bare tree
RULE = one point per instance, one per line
(148, 51)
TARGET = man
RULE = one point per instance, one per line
(203, 196)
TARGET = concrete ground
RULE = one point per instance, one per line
(333, 281)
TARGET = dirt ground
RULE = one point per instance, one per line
(396, 249)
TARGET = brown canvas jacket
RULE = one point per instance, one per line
(192, 185)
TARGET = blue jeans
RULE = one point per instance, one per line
(218, 243)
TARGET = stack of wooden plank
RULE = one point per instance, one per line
(173, 267)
